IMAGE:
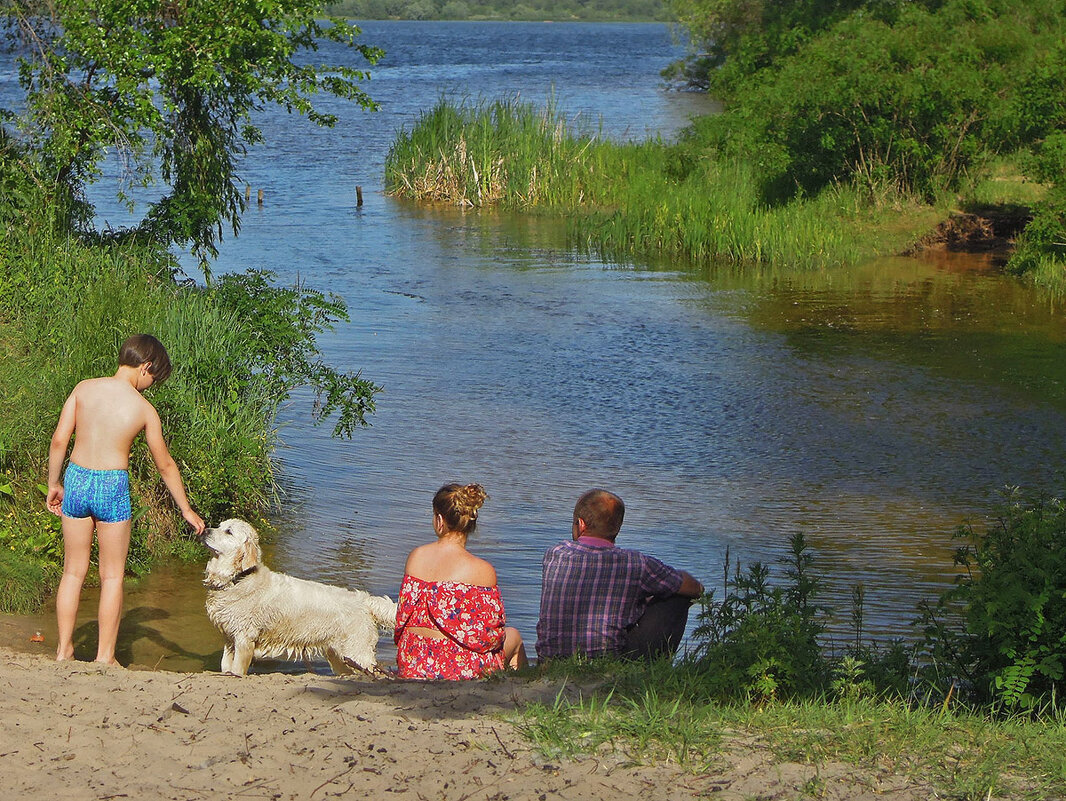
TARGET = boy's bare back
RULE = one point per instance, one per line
(108, 414)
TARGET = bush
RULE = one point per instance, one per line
(761, 642)
(912, 101)
(1041, 248)
(1013, 597)
(239, 348)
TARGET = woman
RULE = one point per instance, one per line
(450, 620)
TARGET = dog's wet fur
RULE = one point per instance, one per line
(268, 615)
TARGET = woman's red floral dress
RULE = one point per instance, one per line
(470, 617)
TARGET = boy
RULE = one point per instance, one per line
(104, 415)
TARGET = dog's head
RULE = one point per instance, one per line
(234, 546)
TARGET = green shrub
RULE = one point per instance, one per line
(1041, 248)
(762, 641)
(912, 97)
(1013, 598)
(240, 348)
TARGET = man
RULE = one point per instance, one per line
(601, 600)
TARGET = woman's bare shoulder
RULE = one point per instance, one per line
(481, 572)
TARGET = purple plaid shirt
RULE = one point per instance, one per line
(593, 592)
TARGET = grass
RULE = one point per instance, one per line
(654, 713)
(23, 582)
(629, 200)
(680, 202)
(1006, 184)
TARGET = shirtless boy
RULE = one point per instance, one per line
(105, 415)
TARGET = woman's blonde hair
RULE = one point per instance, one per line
(458, 504)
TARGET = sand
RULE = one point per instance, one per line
(76, 730)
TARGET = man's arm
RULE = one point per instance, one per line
(168, 468)
(690, 587)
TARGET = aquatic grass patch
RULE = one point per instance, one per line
(487, 153)
(625, 199)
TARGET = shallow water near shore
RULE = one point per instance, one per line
(872, 408)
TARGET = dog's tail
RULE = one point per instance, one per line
(383, 610)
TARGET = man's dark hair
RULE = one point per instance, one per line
(602, 512)
(141, 348)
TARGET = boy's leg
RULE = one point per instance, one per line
(77, 543)
(660, 628)
(113, 541)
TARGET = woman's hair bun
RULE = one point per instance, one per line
(458, 505)
(469, 499)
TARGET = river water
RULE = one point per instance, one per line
(871, 409)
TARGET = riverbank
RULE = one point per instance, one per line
(79, 731)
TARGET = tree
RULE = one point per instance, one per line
(170, 85)
(731, 40)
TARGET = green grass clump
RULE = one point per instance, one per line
(23, 582)
(637, 198)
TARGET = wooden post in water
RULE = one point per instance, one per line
(358, 196)
(247, 193)
(260, 197)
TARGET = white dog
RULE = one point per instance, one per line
(268, 615)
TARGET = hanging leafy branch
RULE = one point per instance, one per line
(170, 86)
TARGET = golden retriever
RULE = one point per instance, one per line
(268, 615)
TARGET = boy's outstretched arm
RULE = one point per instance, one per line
(168, 470)
(57, 453)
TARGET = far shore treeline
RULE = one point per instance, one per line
(530, 10)
(850, 129)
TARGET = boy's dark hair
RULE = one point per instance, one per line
(141, 348)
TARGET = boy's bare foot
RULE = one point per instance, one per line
(64, 656)
(109, 662)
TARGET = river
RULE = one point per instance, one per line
(871, 409)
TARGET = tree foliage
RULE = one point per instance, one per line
(732, 39)
(171, 86)
(914, 98)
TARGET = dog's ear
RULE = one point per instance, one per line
(247, 557)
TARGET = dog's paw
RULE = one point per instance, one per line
(374, 671)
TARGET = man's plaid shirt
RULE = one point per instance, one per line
(593, 592)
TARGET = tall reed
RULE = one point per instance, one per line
(623, 199)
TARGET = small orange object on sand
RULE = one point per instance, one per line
(38, 637)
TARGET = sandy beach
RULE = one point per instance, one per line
(76, 730)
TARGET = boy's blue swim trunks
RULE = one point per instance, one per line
(100, 494)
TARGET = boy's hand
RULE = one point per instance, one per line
(54, 501)
(195, 521)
